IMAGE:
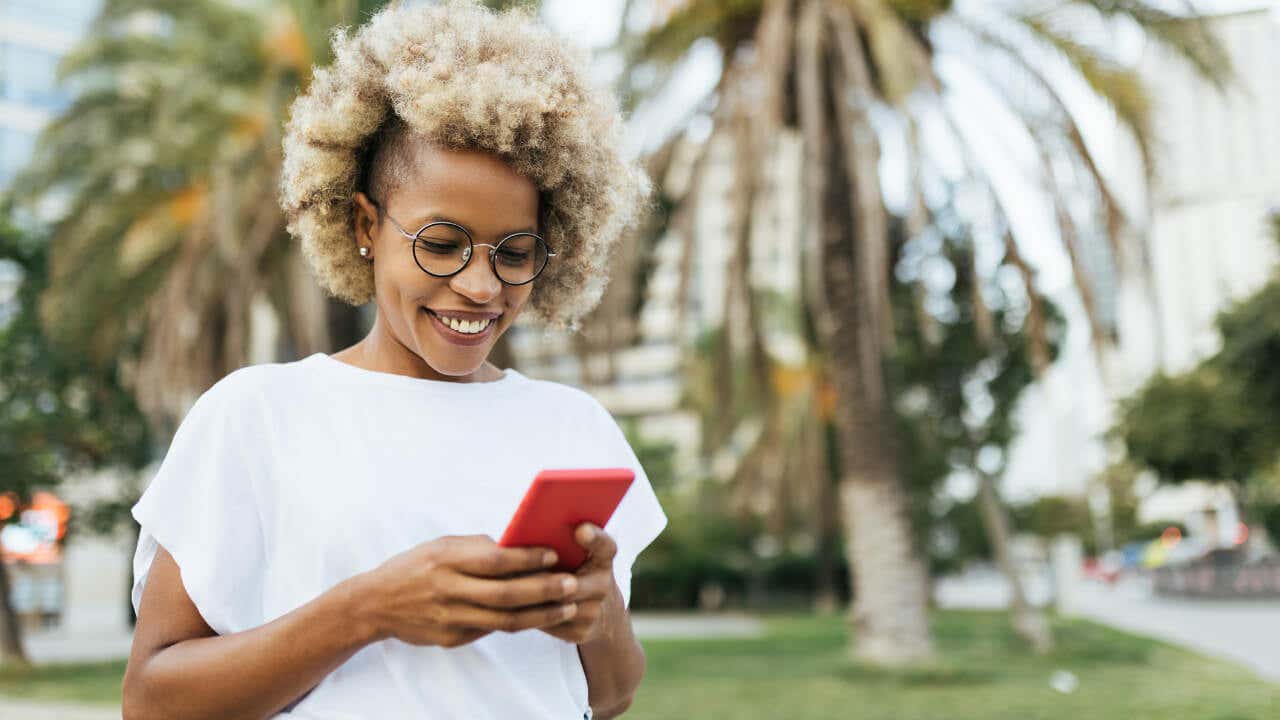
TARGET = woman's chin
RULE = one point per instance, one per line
(453, 362)
(454, 368)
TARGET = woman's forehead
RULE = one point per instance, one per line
(469, 187)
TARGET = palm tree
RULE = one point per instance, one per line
(826, 70)
(166, 165)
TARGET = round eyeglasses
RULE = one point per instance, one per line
(442, 249)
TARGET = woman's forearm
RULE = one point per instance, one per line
(252, 674)
(613, 663)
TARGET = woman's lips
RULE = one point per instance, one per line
(456, 337)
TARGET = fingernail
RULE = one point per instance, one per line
(591, 532)
(570, 584)
(569, 610)
(549, 559)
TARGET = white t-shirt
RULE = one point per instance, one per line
(284, 479)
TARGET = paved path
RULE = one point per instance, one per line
(694, 625)
(62, 646)
(1245, 632)
(29, 710)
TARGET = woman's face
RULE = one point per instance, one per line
(482, 194)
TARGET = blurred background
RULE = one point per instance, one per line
(952, 346)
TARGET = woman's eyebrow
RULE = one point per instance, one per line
(436, 217)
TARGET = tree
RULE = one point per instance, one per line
(827, 70)
(960, 361)
(166, 166)
(58, 416)
(1221, 419)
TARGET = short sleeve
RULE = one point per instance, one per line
(202, 507)
(638, 519)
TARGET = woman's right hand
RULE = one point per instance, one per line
(455, 590)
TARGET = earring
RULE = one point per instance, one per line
(364, 252)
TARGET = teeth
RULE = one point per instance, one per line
(469, 327)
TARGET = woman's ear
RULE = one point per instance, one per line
(365, 222)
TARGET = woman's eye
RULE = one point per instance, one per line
(439, 247)
(513, 258)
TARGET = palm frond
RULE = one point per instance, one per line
(1116, 219)
(728, 22)
(897, 64)
(1120, 87)
(1185, 34)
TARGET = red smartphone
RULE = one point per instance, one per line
(557, 502)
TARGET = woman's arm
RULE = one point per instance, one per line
(447, 592)
(180, 668)
(612, 658)
(614, 662)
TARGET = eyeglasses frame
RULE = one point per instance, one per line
(466, 254)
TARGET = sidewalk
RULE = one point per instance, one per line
(654, 626)
(30, 710)
(65, 646)
(1243, 632)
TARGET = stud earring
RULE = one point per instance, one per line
(364, 252)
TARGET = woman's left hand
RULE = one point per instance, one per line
(596, 589)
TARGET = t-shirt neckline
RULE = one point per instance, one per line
(509, 378)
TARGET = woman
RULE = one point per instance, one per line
(318, 542)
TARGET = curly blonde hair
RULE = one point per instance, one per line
(461, 76)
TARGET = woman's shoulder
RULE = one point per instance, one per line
(250, 386)
(562, 396)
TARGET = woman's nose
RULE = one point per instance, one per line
(477, 281)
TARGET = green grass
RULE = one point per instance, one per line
(93, 683)
(800, 671)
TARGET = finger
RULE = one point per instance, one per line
(480, 555)
(464, 636)
(513, 593)
(593, 586)
(599, 545)
(472, 616)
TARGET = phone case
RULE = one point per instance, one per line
(557, 501)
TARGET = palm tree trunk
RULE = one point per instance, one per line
(890, 613)
(12, 653)
(826, 596)
(1027, 622)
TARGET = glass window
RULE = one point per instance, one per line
(15, 149)
(31, 77)
(68, 16)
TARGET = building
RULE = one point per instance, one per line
(1218, 175)
(34, 36)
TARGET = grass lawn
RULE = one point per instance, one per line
(96, 683)
(799, 671)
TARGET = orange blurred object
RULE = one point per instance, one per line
(1242, 534)
(47, 511)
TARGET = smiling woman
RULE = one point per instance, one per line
(439, 310)
(319, 541)
(512, 90)
(498, 132)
